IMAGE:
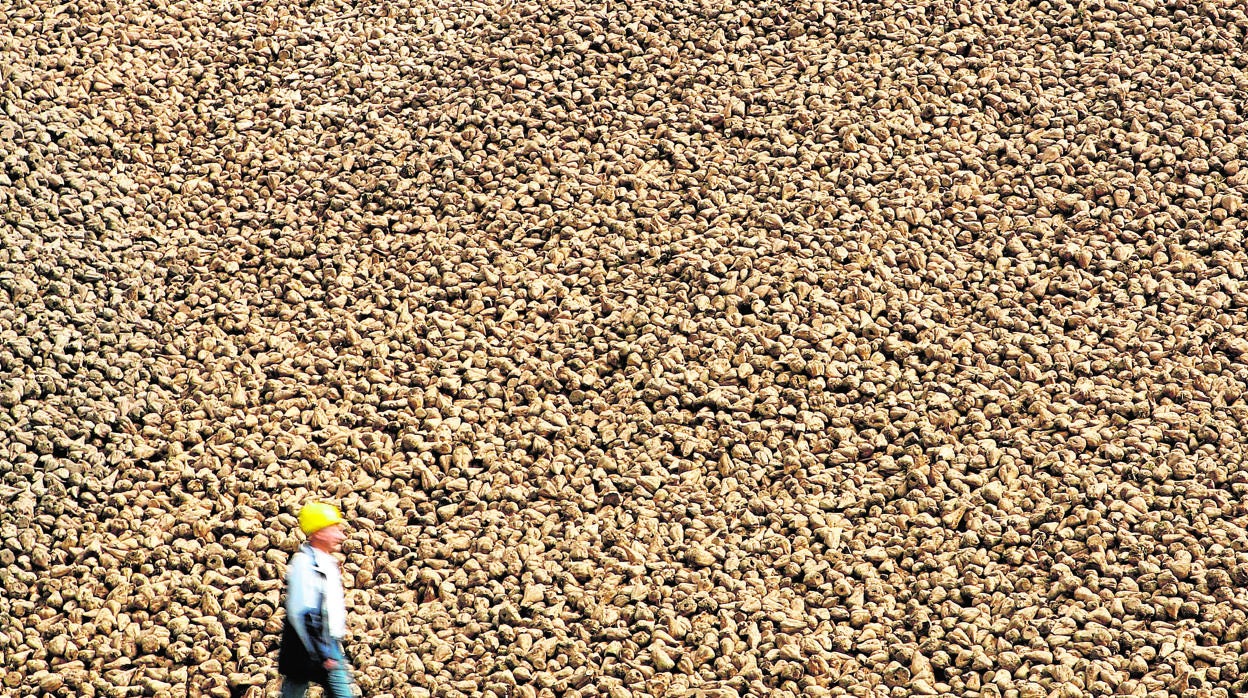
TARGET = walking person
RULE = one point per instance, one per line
(311, 650)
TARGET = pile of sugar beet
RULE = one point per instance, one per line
(652, 349)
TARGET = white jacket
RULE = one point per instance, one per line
(313, 582)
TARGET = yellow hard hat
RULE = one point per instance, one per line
(317, 515)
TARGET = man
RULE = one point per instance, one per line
(316, 621)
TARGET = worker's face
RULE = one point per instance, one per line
(329, 538)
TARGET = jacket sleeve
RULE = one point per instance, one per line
(303, 592)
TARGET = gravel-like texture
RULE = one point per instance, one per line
(652, 348)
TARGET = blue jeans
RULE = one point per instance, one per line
(339, 685)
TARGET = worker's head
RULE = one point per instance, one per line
(322, 524)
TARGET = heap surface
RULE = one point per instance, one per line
(655, 348)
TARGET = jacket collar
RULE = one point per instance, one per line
(318, 556)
